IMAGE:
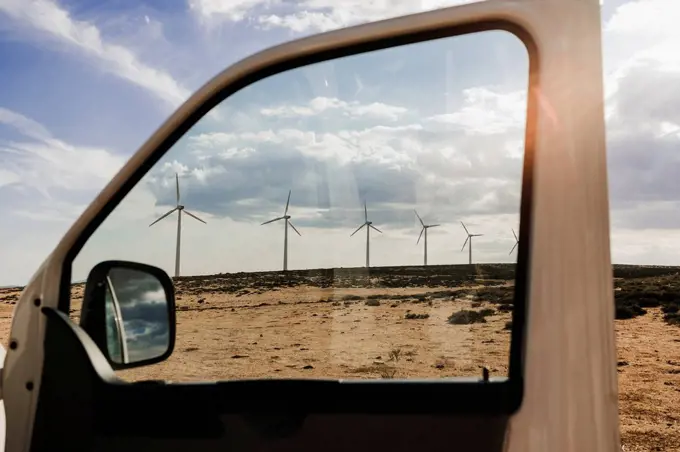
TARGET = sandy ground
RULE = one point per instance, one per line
(296, 332)
(298, 336)
(649, 383)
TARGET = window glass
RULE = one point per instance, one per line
(355, 218)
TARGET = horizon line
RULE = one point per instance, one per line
(83, 281)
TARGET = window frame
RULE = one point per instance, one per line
(498, 395)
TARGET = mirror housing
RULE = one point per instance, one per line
(129, 312)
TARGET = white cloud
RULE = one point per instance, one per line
(54, 211)
(54, 22)
(641, 41)
(325, 15)
(154, 296)
(641, 33)
(29, 243)
(231, 10)
(486, 111)
(354, 109)
(8, 177)
(301, 22)
(341, 145)
(54, 163)
(377, 110)
(45, 162)
(650, 246)
(654, 19)
(23, 124)
(311, 15)
(218, 139)
(438, 141)
(42, 162)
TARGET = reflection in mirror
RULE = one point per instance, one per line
(420, 147)
(136, 313)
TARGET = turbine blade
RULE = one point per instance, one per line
(375, 228)
(513, 248)
(287, 203)
(291, 225)
(365, 212)
(177, 185)
(466, 240)
(468, 232)
(194, 216)
(358, 229)
(421, 220)
(271, 221)
(434, 225)
(513, 233)
(163, 216)
(476, 235)
(421, 234)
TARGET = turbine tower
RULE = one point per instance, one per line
(516, 242)
(369, 225)
(469, 237)
(285, 234)
(424, 229)
(180, 209)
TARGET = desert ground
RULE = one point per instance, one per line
(406, 322)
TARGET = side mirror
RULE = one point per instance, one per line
(129, 312)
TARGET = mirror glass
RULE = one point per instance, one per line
(137, 321)
(355, 218)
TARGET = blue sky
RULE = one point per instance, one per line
(88, 84)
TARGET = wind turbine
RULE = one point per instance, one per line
(469, 237)
(516, 242)
(369, 225)
(285, 234)
(424, 229)
(180, 209)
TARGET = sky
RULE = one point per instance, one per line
(89, 83)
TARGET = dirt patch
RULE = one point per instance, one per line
(649, 384)
(300, 327)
